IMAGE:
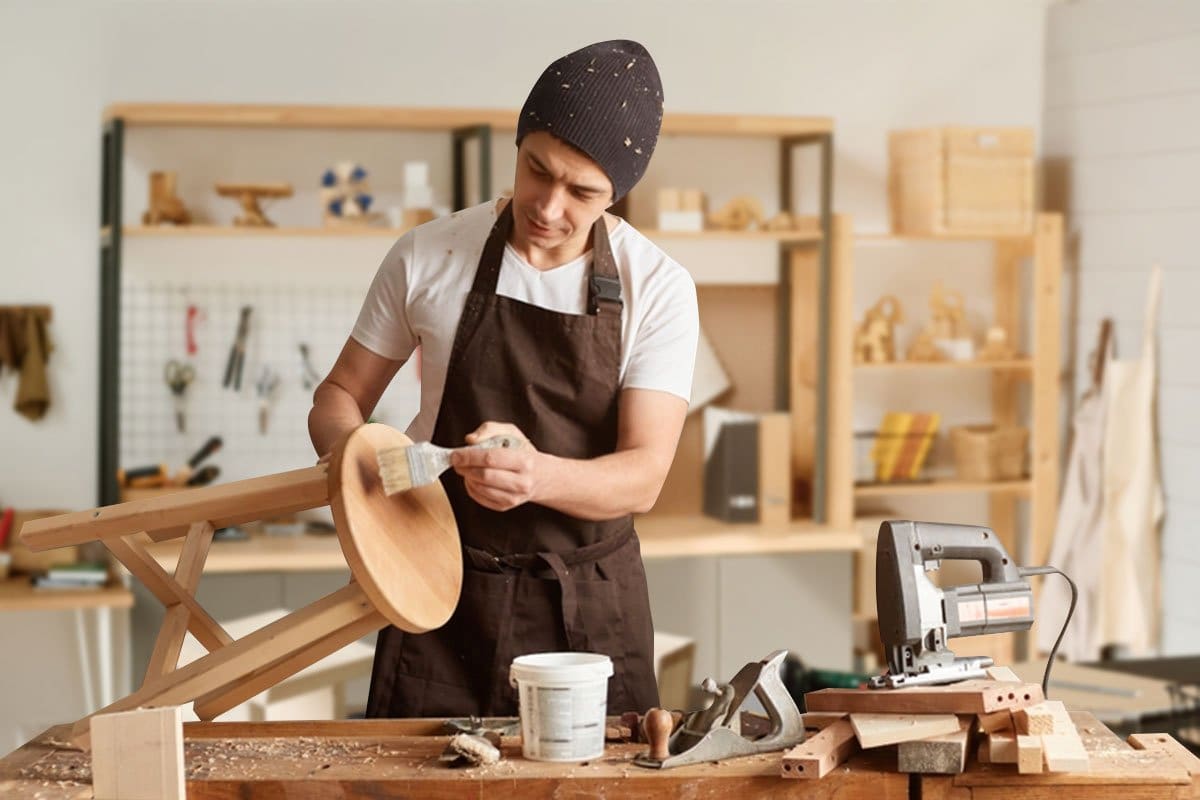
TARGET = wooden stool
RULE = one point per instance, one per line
(403, 551)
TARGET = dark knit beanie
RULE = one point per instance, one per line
(605, 99)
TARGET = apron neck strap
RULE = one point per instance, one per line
(604, 285)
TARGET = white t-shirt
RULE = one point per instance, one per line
(418, 293)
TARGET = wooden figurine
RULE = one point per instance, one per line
(165, 205)
(923, 348)
(948, 320)
(874, 342)
(996, 346)
(248, 194)
(739, 214)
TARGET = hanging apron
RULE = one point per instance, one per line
(1133, 500)
(534, 579)
(1078, 536)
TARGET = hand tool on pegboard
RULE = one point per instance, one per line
(237, 353)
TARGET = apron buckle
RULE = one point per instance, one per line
(604, 289)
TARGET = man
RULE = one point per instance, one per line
(546, 318)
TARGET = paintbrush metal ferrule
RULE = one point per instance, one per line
(404, 468)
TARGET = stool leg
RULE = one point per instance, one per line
(165, 656)
(226, 668)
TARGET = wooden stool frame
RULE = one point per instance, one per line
(403, 552)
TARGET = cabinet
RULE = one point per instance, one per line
(1038, 295)
(770, 319)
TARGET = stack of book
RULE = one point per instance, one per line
(84, 575)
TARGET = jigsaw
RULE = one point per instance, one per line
(916, 617)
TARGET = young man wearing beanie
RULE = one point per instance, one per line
(546, 318)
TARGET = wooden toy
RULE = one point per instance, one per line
(248, 194)
(165, 205)
(739, 214)
(874, 342)
(996, 346)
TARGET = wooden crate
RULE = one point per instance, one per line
(962, 181)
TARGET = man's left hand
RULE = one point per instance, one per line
(499, 478)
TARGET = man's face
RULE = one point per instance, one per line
(558, 193)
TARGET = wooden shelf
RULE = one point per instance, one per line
(18, 594)
(900, 238)
(1022, 364)
(429, 119)
(234, 231)
(672, 536)
(1021, 487)
(185, 231)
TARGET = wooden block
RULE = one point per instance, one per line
(1062, 752)
(996, 721)
(821, 720)
(1029, 754)
(691, 200)
(669, 200)
(937, 755)
(1002, 674)
(138, 755)
(1002, 748)
(818, 756)
(1167, 743)
(1044, 718)
(877, 730)
(965, 697)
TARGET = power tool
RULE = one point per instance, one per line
(916, 617)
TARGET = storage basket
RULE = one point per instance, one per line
(988, 452)
(977, 181)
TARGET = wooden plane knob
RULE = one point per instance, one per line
(658, 732)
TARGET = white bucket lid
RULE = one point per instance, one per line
(556, 668)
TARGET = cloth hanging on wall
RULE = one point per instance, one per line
(25, 348)
(1077, 548)
(1129, 611)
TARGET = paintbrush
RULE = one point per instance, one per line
(404, 468)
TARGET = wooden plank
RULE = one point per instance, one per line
(997, 721)
(839, 434)
(1001, 748)
(1029, 754)
(138, 755)
(1165, 742)
(1049, 716)
(816, 720)
(804, 292)
(817, 756)
(966, 697)
(429, 119)
(940, 755)
(877, 730)
(1002, 674)
(222, 505)
(1063, 752)
(1048, 267)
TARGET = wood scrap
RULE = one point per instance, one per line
(1002, 674)
(1029, 754)
(818, 756)
(1001, 748)
(937, 755)
(138, 755)
(877, 730)
(820, 720)
(966, 697)
(1062, 752)
(1043, 718)
(1167, 743)
(996, 721)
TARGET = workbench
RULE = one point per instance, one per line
(399, 758)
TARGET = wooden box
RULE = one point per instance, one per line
(962, 181)
(989, 452)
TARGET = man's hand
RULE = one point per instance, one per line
(499, 478)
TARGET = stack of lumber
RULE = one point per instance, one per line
(935, 728)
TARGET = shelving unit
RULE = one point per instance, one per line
(803, 341)
(1043, 248)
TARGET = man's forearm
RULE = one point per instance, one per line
(334, 414)
(601, 488)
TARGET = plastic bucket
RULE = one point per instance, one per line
(563, 700)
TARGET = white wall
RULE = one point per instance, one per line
(1123, 117)
(871, 66)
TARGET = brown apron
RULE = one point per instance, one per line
(535, 579)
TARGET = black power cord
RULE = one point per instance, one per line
(1026, 572)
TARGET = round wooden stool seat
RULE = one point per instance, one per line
(404, 549)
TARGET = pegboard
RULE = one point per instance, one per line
(154, 331)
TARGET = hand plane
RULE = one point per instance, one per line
(715, 733)
(916, 617)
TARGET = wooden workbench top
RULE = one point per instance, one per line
(368, 758)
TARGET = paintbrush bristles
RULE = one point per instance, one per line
(404, 468)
